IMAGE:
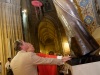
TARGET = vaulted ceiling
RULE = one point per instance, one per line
(46, 31)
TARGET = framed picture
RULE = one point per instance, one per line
(96, 9)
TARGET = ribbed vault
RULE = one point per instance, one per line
(47, 35)
(46, 31)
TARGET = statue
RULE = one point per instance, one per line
(76, 29)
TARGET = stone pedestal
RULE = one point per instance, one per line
(85, 69)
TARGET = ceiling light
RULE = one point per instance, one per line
(71, 0)
(24, 11)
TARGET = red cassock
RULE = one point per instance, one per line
(47, 69)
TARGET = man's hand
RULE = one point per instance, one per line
(66, 58)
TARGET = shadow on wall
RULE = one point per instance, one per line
(96, 35)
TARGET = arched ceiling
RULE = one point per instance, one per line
(46, 31)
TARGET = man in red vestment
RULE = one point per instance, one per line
(47, 69)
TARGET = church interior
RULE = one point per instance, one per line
(39, 22)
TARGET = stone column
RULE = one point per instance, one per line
(10, 29)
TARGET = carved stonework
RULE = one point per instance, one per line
(89, 14)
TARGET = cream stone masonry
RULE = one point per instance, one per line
(92, 68)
